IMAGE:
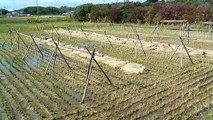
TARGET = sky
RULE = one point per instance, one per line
(17, 4)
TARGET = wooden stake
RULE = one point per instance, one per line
(68, 28)
(89, 71)
(54, 54)
(154, 32)
(110, 82)
(10, 33)
(188, 32)
(139, 39)
(174, 52)
(18, 41)
(210, 30)
(36, 45)
(105, 32)
(33, 41)
(136, 50)
(181, 55)
(19, 37)
(54, 28)
(55, 59)
(186, 50)
(51, 57)
(84, 34)
(27, 50)
(56, 45)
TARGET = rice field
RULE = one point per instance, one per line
(168, 91)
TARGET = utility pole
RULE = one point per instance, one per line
(37, 7)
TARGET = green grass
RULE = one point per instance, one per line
(210, 116)
(5, 20)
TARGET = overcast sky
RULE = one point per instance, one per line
(17, 4)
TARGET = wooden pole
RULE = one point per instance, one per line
(136, 50)
(54, 28)
(181, 55)
(27, 50)
(188, 32)
(139, 39)
(186, 50)
(89, 71)
(36, 45)
(105, 32)
(11, 39)
(61, 54)
(55, 59)
(100, 68)
(174, 52)
(18, 39)
(84, 34)
(154, 32)
(181, 46)
(51, 57)
(19, 36)
(134, 46)
(210, 30)
(68, 28)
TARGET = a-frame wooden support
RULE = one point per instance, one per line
(89, 72)
(54, 54)
(181, 47)
(136, 44)
(31, 44)
(20, 38)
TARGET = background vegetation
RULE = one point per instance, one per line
(150, 11)
(147, 12)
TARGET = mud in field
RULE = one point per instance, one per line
(153, 46)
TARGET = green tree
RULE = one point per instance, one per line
(41, 10)
(98, 13)
(192, 2)
(152, 1)
(82, 12)
(64, 9)
(3, 12)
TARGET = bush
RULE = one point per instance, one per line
(33, 20)
(114, 14)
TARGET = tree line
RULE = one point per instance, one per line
(41, 10)
(46, 10)
(151, 11)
